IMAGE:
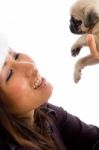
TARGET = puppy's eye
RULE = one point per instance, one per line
(17, 55)
(10, 73)
(79, 22)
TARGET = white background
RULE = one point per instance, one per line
(41, 29)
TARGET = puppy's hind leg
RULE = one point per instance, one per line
(81, 63)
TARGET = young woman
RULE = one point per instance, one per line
(28, 121)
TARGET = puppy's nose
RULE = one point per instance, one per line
(72, 28)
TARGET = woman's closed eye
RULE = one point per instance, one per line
(10, 72)
(16, 55)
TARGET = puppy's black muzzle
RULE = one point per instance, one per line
(74, 25)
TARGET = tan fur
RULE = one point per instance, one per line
(79, 10)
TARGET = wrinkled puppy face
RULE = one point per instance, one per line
(91, 19)
(82, 18)
(75, 25)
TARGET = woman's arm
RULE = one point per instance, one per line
(77, 134)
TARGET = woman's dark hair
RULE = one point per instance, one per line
(36, 137)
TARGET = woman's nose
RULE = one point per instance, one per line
(24, 67)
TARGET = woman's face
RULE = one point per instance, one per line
(23, 88)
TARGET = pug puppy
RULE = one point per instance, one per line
(84, 18)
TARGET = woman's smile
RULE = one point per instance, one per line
(40, 82)
(37, 82)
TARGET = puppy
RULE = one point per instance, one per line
(84, 18)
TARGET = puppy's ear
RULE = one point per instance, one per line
(91, 19)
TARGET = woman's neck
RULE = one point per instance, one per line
(28, 118)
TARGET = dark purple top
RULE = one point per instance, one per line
(69, 132)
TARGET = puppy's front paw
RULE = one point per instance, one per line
(77, 76)
(75, 51)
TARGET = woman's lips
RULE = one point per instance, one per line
(39, 83)
(43, 84)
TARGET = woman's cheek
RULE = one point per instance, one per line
(18, 88)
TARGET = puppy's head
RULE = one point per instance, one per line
(84, 16)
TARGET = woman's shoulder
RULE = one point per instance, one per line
(51, 108)
(54, 110)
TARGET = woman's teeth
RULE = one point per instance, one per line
(37, 83)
